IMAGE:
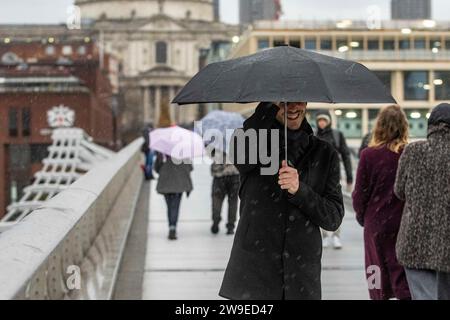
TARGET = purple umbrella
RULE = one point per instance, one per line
(177, 143)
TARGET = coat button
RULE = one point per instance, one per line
(291, 218)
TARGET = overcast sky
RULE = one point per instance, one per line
(54, 11)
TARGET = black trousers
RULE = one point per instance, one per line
(173, 207)
(227, 186)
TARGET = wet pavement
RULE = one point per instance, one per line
(192, 267)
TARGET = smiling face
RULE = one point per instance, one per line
(295, 115)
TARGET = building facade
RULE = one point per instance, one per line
(411, 59)
(255, 10)
(161, 44)
(36, 75)
(410, 9)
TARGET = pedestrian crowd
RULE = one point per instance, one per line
(401, 197)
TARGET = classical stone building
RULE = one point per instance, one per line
(161, 44)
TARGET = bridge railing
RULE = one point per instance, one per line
(71, 247)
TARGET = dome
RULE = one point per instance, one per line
(201, 10)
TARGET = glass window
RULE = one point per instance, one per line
(295, 43)
(278, 42)
(263, 44)
(418, 122)
(326, 44)
(404, 44)
(161, 52)
(419, 44)
(416, 86)
(38, 152)
(435, 43)
(67, 50)
(12, 122)
(357, 44)
(388, 44)
(340, 43)
(350, 123)
(310, 44)
(50, 50)
(442, 85)
(385, 78)
(81, 50)
(26, 120)
(447, 44)
(373, 44)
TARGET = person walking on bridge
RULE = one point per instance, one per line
(377, 208)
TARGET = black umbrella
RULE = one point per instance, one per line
(285, 74)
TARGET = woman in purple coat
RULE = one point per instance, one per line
(377, 209)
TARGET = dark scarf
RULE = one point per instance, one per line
(298, 141)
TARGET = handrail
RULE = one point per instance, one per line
(74, 238)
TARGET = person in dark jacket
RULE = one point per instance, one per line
(377, 209)
(423, 181)
(149, 153)
(225, 184)
(277, 249)
(174, 179)
(337, 140)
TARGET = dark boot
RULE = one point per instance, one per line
(215, 228)
(230, 229)
(172, 234)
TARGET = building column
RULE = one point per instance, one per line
(146, 103)
(365, 121)
(157, 104)
(172, 107)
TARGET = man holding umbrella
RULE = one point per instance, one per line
(277, 249)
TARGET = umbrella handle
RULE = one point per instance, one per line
(285, 134)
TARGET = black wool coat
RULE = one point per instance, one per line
(277, 249)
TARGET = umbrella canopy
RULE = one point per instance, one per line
(285, 74)
(221, 122)
(177, 143)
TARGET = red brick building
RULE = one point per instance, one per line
(36, 76)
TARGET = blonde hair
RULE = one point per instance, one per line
(391, 129)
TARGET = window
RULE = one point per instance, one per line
(350, 123)
(81, 50)
(340, 43)
(417, 122)
(416, 86)
(435, 43)
(310, 44)
(357, 44)
(38, 152)
(420, 44)
(50, 50)
(385, 78)
(278, 42)
(373, 44)
(161, 52)
(388, 45)
(295, 43)
(404, 44)
(67, 50)
(442, 85)
(12, 122)
(263, 44)
(326, 44)
(26, 120)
